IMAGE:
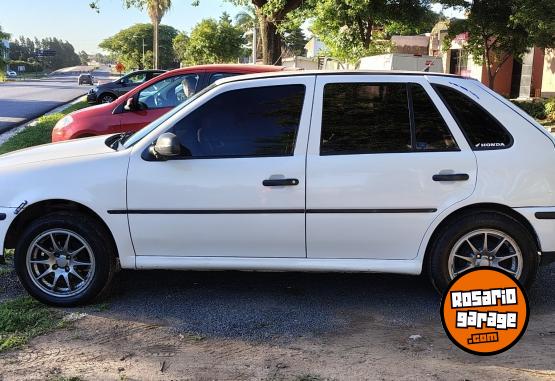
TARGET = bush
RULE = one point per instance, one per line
(30, 67)
(535, 108)
(550, 108)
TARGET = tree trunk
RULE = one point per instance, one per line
(271, 41)
(489, 69)
(156, 26)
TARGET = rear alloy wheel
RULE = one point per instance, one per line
(107, 98)
(483, 239)
(65, 259)
(485, 248)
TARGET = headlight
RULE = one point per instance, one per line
(93, 90)
(64, 122)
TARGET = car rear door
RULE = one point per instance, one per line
(158, 99)
(239, 191)
(385, 158)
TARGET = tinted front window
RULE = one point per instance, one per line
(481, 129)
(431, 131)
(361, 118)
(259, 121)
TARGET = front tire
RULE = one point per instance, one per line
(483, 239)
(106, 98)
(65, 259)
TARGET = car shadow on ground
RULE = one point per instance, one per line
(258, 306)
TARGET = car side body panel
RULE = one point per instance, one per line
(91, 174)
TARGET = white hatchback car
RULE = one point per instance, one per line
(301, 171)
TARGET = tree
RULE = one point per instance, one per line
(500, 29)
(84, 57)
(294, 41)
(211, 41)
(3, 36)
(24, 49)
(127, 46)
(271, 14)
(180, 43)
(156, 10)
(352, 29)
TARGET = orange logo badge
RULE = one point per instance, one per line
(485, 311)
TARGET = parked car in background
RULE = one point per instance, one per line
(109, 92)
(148, 101)
(11, 74)
(329, 171)
(85, 79)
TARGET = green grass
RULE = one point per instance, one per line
(24, 318)
(41, 133)
(8, 267)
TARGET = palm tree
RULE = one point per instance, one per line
(247, 21)
(156, 10)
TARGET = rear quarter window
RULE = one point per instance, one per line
(480, 128)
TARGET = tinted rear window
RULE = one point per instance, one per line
(360, 118)
(431, 131)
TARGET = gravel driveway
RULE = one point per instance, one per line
(233, 325)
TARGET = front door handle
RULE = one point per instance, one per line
(280, 183)
(451, 177)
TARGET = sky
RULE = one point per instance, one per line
(76, 22)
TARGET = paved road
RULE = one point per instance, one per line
(21, 101)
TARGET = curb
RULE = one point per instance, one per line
(8, 133)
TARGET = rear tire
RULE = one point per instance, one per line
(62, 271)
(459, 247)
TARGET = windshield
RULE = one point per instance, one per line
(139, 135)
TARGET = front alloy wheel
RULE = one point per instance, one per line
(65, 258)
(61, 263)
(107, 98)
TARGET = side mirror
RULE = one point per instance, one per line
(167, 145)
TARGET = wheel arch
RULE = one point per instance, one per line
(48, 206)
(475, 208)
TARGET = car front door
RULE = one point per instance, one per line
(385, 158)
(238, 190)
(159, 98)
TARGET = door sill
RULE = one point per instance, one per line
(412, 266)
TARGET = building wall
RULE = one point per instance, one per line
(537, 73)
(503, 80)
(548, 75)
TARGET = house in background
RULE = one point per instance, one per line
(534, 76)
(548, 75)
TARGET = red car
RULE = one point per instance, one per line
(147, 102)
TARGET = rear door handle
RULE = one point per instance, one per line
(451, 177)
(280, 183)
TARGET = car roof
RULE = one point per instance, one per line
(227, 68)
(334, 72)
